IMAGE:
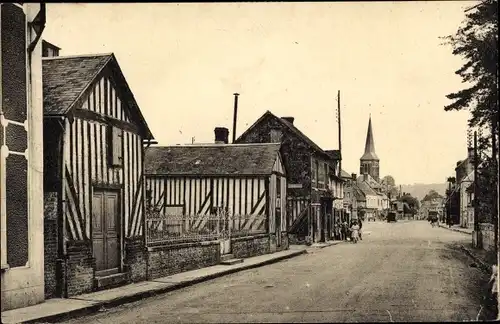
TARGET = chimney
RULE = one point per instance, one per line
(221, 135)
(365, 176)
(49, 50)
(288, 119)
(354, 176)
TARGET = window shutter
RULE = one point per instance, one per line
(117, 157)
(15, 136)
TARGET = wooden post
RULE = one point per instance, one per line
(340, 134)
(476, 187)
(235, 116)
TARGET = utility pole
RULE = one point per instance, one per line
(476, 193)
(496, 203)
(340, 133)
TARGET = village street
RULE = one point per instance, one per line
(405, 271)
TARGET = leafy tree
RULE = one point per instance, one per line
(389, 180)
(389, 186)
(476, 41)
(411, 201)
(432, 194)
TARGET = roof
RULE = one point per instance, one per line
(358, 193)
(335, 154)
(212, 159)
(369, 144)
(66, 78)
(288, 125)
(370, 180)
(366, 189)
(344, 174)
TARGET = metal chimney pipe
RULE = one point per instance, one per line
(235, 116)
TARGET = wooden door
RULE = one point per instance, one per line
(106, 232)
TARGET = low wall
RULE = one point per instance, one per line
(488, 236)
(136, 259)
(249, 246)
(79, 268)
(166, 260)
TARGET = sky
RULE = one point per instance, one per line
(183, 62)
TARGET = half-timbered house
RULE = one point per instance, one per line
(208, 202)
(93, 147)
(313, 177)
(21, 157)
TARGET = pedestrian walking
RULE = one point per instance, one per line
(355, 232)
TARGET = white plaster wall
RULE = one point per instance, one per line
(24, 286)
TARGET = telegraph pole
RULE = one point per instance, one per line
(340, 133)
(476, 193)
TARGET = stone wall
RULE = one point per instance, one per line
(249, 246)
(167, 260)
(79, 268)
(488, 236)
(136, 259)
(50, 244)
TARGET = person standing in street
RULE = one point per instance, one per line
(360, 224)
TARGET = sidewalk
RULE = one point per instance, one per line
(62, 309)
(457, 228)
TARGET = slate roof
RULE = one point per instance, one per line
(335, 154)
(369, 144)
(366, 189)
(212, 159)
(66, 78)
(344, 174)
(291, 127)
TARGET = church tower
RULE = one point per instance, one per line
(369, 162)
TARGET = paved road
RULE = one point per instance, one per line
(405, 271)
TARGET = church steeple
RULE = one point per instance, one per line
(369, 162)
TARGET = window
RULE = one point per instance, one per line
(314, 173)
(321, 174)
(115, 146)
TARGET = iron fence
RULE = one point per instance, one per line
(178, 228)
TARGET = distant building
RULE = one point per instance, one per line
(464, 180)
(369, 162)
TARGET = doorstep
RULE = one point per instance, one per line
(62, 309)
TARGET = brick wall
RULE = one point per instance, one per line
(488, 236)
(249, 246)
(136, 259)
(79, 268)
(168, 260)
(50, 243)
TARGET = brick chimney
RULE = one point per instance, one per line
(354, 176)
(221, 135)
(288, 119)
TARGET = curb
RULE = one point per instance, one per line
(146, 294)
(485, 267)
(455, 230)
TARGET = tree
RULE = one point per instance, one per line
(476, 41)
(432, 194)
(411, 201)
(389, 186)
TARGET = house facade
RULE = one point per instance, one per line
(93, 181)
(212, 202)
(313, 176)
(21, 157)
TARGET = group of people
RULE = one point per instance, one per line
(345, 231)
(433, 219)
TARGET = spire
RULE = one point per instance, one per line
(370, 144)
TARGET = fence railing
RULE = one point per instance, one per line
(169, 229)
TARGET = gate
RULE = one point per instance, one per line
(225, 229)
